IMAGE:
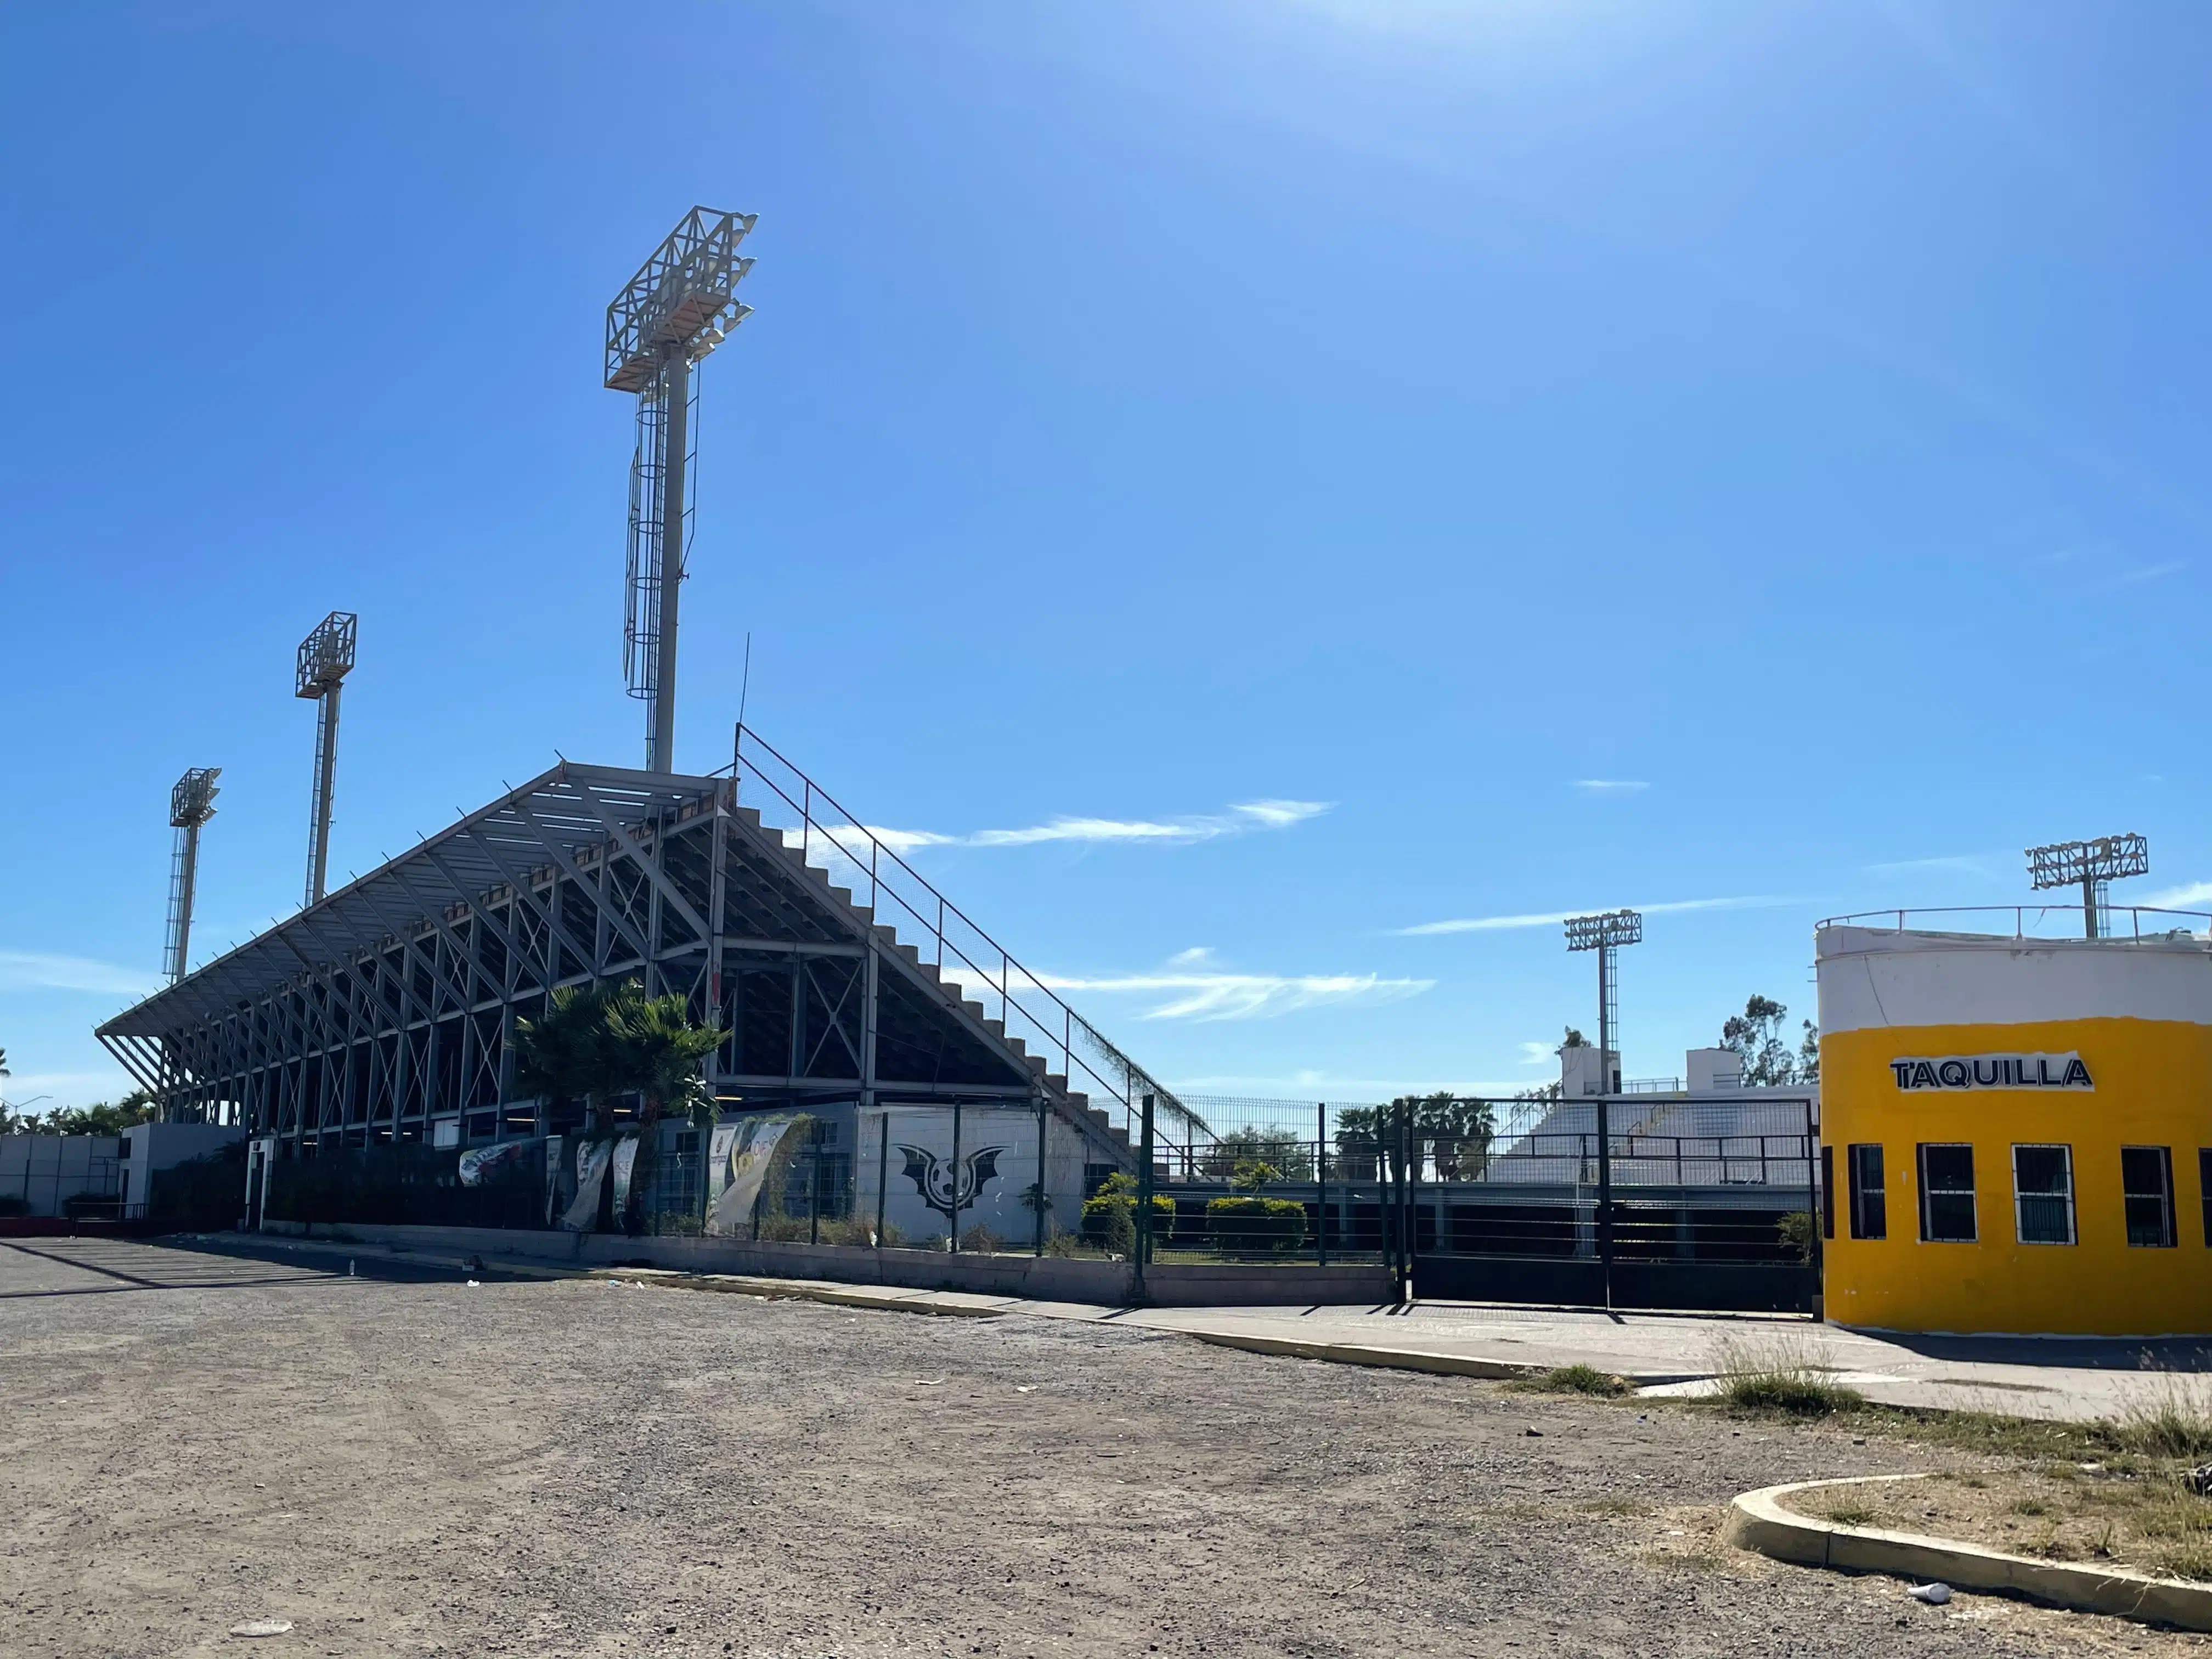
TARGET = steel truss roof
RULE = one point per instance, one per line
(558, 819)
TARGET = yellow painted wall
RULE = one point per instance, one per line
(2154, 1088)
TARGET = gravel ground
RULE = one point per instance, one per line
(568, 1467)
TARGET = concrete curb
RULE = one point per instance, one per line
(1758, 1522)
(916, 1302)
(1361, 1353)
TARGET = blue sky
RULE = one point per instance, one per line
(1439, 463)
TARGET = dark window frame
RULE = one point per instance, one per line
(2132, 1198)
(1869, 1206)
(1827, 1192)
(2021, 1198)
(1931, 1196)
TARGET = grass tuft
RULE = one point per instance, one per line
(1574, 1379)
(2173, 1421)
(1852, 1515)
(2186, 1561)
(1777, 1376)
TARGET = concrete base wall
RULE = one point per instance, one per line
(1043, 1279)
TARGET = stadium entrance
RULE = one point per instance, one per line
(1666, 1201)
(1643, 1199)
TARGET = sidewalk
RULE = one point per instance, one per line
(2071, 1379)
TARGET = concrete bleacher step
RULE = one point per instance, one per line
(1074, 1106)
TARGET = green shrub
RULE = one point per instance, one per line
(1256, 1226)
(1110, 1216)
(13, 1204)
(1796, 1232)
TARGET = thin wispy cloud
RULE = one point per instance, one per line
(36, 970)
(1539, 1054)
(2140, 575)
(1311, 1086)
(2190, 895)
(1972, 864)
(1186, 988)
(1554, 918)
(1610, 786)
(1248, 996)
(1243, 818)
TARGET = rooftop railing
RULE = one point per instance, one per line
(2032, 920)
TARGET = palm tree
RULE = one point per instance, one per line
(562, 1053)
(600, 1041)
(655, 1049)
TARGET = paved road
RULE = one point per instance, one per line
(401, 1462)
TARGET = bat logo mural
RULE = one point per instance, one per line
(946, 1190)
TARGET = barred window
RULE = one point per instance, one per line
(2147, 1190)
(1870, 1201)
(2043, 1195)
(1947, 1194)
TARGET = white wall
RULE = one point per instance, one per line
(998, 1205)
(1580, 1073)
(1709, 1069)
(1874, 978)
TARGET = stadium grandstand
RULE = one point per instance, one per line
(385, 1013)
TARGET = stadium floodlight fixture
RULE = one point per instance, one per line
(1606, 929)
(681, 304)
(326, 657)
(2090, 865)
(1604, 932)
(191, 804)
(191, 801)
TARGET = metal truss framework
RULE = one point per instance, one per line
(393, 1001)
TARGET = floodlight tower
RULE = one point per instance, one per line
(680, 306)
(191, 804)
(2094, 864)
(1605, 934)
(326, 659)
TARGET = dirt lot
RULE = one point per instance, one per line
(569, 1468)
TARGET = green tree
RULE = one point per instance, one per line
(1254, 1176)
(1755, 1036)
(656, 1049)
(1455, 1131)
(104, 1117)
(1280, 1147)
(599, 1042)
(561, 1055)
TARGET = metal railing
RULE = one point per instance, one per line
(2028, 920)
(960, 950)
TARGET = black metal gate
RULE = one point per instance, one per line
(1660, 1202)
